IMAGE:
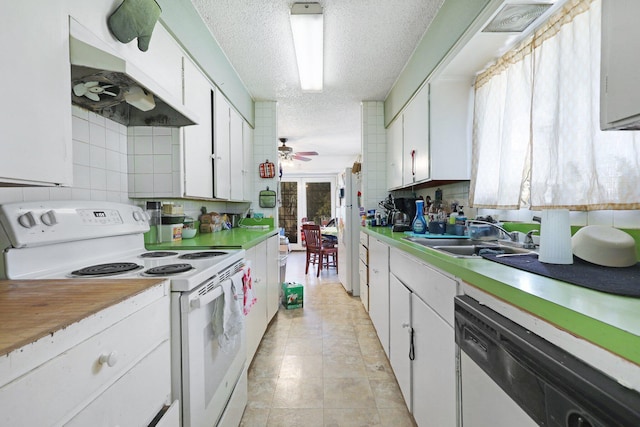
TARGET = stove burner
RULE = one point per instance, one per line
(107, 269)
(157, 254)
(202, 255)
(165, 270)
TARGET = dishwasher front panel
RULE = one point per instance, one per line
(551, 386)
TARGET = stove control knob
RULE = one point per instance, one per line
(49, 218)
(137, 215)
(27, 220)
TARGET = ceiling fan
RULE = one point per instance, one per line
(287, 153)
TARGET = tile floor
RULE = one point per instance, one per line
(322, 365)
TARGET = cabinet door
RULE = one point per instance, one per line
(256, 320)
(36, 121)
(450, 128)
(248, 170)
(198, 149)
(394, 153)
(379, 290)
(364, 285)
(236, 154)
(434, 371)
(221, 140)
(273, 276)
(400, 335)
(416, 159)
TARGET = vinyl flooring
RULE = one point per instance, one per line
(322, 365)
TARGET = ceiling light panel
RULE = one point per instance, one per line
(307, 28)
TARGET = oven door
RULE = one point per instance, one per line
(213, 350)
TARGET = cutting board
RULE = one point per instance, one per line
(435, 236)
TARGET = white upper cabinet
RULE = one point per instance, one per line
(236, 156)
(36, 119)
(416, 139)
(221, 150)
(450, 133)
(394, 153)
(198, 148)
(620, 81)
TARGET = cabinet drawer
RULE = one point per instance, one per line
(364, 273)
(74, 378)
(431, 286)
(136, 398)
(364, 254)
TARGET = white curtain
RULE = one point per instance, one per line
(501, 133)
(572, 163)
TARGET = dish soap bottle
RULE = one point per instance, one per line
(419, 225)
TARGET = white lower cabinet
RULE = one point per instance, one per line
(422, 342)
(379, 290)
(273, 276)
(265, 273)
(111, 368)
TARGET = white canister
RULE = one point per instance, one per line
(170, 232)
(555, 237)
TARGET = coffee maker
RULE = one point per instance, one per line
(406, 207)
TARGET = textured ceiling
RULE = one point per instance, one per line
(367, 44)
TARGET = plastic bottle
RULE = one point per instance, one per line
(419, 225)
(154, 210)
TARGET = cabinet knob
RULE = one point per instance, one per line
(375, 270)
(110, 359)
(405, 325)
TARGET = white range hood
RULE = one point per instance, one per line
(107, 84)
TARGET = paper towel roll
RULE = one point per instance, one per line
(555, 237)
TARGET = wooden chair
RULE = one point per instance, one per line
(317, 253)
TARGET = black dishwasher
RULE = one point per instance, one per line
(550, 385)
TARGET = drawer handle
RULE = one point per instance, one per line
(110, 359)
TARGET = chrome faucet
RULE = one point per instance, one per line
(513, 236)
(528, 240)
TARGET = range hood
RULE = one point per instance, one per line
(108, 85)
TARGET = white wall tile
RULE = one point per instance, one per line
(162, 144)
(80, 129)
(143, 145)
(143, 183)
(143, 164)
(36, 193)
(98, 179)
(98, 157)
(113, 181)
(112, 140)
(81, 153)
(163, 181)
(112, 160)
(81, 177)
(97, 135)
(162, 164)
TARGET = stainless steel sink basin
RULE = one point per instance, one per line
(425, 241)
(465, 248)
(471, 251)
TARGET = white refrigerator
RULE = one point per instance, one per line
(349, 233)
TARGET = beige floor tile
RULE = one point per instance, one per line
(254, 417)
(351, 417)
(261, 391)
(265, 366)
(397, 417)
(299, 393)
(303, 347)
(339, 366)
(348, 393)
(303, 417)
(294, 366)
(387, 394)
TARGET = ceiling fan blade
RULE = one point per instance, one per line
(304, 159)
(307, 153)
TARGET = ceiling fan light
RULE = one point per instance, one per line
(307, 28)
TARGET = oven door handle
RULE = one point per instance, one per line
(205, 299)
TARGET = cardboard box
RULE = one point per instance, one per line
(292, 295)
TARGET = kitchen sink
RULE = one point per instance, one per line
(472, 251)
(425, 241)
(466, 248)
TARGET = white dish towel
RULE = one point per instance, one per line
(232, 318)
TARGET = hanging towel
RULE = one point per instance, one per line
(247, 287)
(232, 320)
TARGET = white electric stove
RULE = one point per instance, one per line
(93, 239)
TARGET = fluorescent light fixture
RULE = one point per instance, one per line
(307, 28)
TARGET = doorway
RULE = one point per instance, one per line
(305, 200)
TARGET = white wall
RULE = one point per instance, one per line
(374, 154)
